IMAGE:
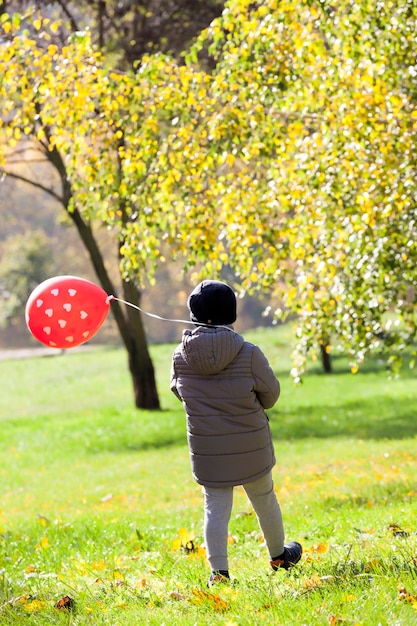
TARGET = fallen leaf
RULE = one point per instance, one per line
(397, 531)
(65, 604)
(311, 583)
(319, 548)
(201, 596)
(405, 596)
(175, 595)
(34, 605)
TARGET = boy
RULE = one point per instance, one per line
(225, 383)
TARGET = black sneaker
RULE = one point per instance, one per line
(291, 555)
(218, 577)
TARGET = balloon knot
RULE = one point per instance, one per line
(109, 298)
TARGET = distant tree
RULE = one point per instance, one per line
(25, 261)
(126, 29)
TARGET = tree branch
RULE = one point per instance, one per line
(20, 161)
(34, 183)
(69, 15)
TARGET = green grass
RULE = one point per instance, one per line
(97, 500)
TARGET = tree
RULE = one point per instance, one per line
(150, 28)
(296, 162)
(45, 102)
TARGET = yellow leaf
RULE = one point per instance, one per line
(320, 548)
(184, 534)
(312, 582)
(35, 605)
(349, 597)
(204, 597)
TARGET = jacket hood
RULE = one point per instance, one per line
(210, 350)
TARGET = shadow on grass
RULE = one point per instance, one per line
(375, 415)
(148, 431)
(121, 445)
(145, 445)
(373, 418)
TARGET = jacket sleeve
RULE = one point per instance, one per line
(173, 383)
(267, 387)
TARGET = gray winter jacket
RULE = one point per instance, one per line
(225, 383)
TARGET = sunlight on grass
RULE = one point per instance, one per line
(101, 522)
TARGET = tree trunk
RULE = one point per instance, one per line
(129, 321)
(140, 363)
(101, 9)
(325, 356)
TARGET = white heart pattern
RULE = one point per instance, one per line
(62, 323)
(39, 303)
(69, 339)
(53, 344)
(86, 333)
(83, 315)
(72, 292)
(47, 330)
(49, 312)
(67, 306)
(54, 292)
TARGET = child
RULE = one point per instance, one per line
(225, 383)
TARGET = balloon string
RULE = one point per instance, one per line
(166, 319)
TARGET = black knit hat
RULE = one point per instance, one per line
(212, 302)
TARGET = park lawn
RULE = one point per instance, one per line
(98, 504)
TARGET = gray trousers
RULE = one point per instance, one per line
(218, 502)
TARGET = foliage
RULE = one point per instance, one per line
(292, 164)
(102, 122)
(110, 128)
(26, 260)
(102, 508)
(295, 163)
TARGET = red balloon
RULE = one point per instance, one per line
(66, 311)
